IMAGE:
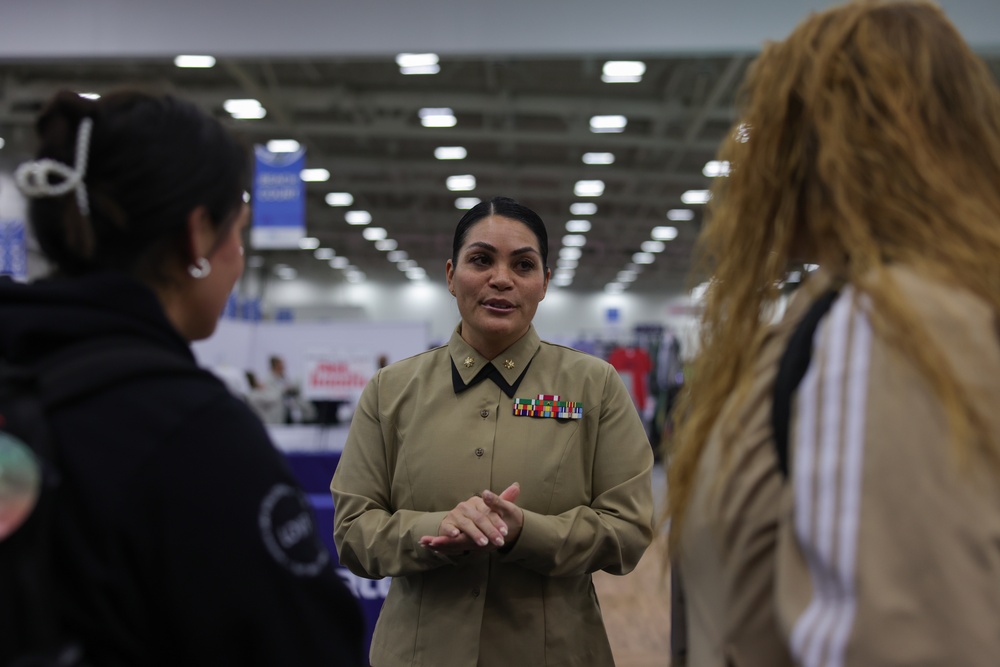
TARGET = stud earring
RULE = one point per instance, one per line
(200, 269)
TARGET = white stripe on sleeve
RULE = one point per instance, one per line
(828, 454)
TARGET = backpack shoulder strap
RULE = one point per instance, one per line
(794, 362)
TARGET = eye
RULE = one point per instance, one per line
(479, 260)
(526, 265)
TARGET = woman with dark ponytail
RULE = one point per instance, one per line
(179, 537)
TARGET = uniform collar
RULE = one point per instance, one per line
(511, 364)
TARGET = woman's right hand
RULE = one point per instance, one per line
(470, 526)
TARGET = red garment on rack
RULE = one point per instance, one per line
(634, 362)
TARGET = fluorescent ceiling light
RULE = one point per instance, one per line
(325, 254)
(567, 263)
(626, 276)
(664, 233)
(246, 109)
(416, 59)
(465, 203)
(406, 265)
(602, 124)
(308, 243)
(574, 240)
(653, 246)
(643, 258)
(397, 256)
(437, 117)
(461, 183)
(794, 277)
(562, 282)
(386, 245)
(90, 96)
(339, 199)
(680, 214)
(416, 273)
(811, 267)
(578, 226)
(583, 208)
(197, 62)
(565, 273)
(696, 197)
(598, 158)
(570, 253)
(623, 71)
(354, 276)
(374, 233)
(420, 69)
(450, 152)
(286, 273)
(588, 188)
(418, 63)
(339, 263)
(283, 145)
(358, 217)
(314, 175)
(716, 168)
(614, 288)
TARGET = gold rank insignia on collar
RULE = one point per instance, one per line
(508, 364)
(469, 362)
(548, 405)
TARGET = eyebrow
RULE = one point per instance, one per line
(491, 248)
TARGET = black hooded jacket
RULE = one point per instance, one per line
(182, 538)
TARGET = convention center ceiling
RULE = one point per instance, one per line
(619, 167)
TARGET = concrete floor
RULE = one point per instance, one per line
(636, 607)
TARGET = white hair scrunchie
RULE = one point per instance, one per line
(32, 178)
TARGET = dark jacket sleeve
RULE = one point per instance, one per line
(246, 578)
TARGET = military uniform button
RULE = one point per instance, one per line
(480, 451)
(484, 414)
(475, 592)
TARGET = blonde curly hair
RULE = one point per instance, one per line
(870, 136)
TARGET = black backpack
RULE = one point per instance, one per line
(30, 632)
(792, 368)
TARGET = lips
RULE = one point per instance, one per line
(498, 305)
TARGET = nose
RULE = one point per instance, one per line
(501, 278)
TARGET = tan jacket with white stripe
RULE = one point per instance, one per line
(879, 548)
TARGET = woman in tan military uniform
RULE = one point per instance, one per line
(491, 476)
(869, 144)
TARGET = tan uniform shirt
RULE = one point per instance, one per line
(416, 449)
(878, 549)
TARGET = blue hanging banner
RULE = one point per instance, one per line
(13, 250)
(279, 199)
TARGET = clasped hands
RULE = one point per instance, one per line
(483, 523)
